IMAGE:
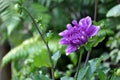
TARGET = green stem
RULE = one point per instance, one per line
(49, 52)
(87, 58)
(78, 67)
(95, 9)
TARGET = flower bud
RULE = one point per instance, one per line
(17, 8)
(118, 72)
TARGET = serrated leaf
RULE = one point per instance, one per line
(114, 12)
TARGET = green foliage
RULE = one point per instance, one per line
(40, 11)
(102, 75)
(66, 78)
(8, 15)
(40, 60)
(93, 70)
(33, 47)
(82, 73)
(115, 56)
(73, 58)
(55, 57)
(9, 20)
(114, 12)
(114, 77)
(40, 77)
(30, 59)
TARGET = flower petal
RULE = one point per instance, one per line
(74, 22)
(85, 22)
(64, 41)
(70, 49)
(92, 30)
(69, 26)
(63, 33)
(83, 39)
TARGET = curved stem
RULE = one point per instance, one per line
(41, 35)
(87, 58)
(80, 58)
(95, 9)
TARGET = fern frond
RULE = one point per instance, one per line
(8, 15)
(28, 47)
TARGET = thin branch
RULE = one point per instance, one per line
(87, 58)
(49, 52)
(95, 16)
(80, 58)
(95, 9)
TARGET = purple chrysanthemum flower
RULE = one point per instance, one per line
(78, 34)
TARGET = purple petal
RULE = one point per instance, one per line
(92, 30)
(64, 41)
(63, 33)
(69, 26)
(85, 22)
(70, 49)
(74, 22)
(83, 39)
(76, 41)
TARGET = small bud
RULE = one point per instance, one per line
(49, 35)
(57, 74)
(70, 66)
(118, 72)
(68, 73)
(17, 7)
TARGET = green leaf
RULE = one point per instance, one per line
(74, 58)
(12, 24)
(42, 77)
(88, 46)
(114, 12)
(96, 40)
(37, 76)
(105, 56)
(102, 75)
(39, 10)
(9, 17)
(93, 66)
(67, 78)
(55, 57)
(31, 47)
(105, 32)
(115, 55)
(41, 58)
(114, 77)
(94, 63)
(82, 73)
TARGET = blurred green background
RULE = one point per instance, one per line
(22, 46)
